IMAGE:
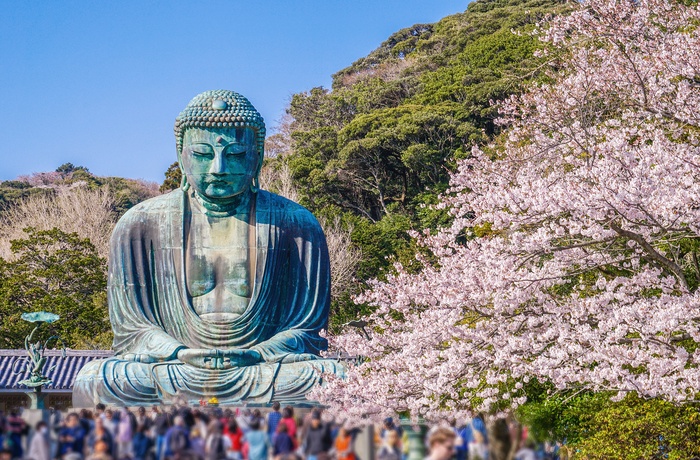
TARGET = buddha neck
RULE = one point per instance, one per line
(239, 204)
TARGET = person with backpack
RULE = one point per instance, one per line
(177, 439)
(216, 445)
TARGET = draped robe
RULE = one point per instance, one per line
(152, 315)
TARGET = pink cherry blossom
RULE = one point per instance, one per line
(584, 272)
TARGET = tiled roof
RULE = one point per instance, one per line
(63, 376)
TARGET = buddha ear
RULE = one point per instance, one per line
(184, 185)
(259, 147)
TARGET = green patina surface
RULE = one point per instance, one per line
(217, 289)
(35, 353)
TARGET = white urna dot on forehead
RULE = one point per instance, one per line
(220, 140)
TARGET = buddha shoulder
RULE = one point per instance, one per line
(154, 212)
(293, 214)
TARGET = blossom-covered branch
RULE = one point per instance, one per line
(572, 257)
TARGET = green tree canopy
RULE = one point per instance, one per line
(60, 273)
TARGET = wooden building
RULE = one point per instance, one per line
(16, 366)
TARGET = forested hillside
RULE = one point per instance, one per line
(54, 240)
(367, 156)
(376, 149)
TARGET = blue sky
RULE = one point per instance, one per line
(99, 83)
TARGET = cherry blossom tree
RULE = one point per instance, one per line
(572, 259)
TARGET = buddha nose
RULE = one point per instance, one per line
(218, 166)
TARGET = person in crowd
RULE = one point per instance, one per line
(257, 441)
(125, 433)
(100, 410)
(39, 448)
(464, 436)
(288, 419)
(71, 438)
(177, 439)
(390, 425)
(101, 434)
(141, 444)
(527, 452)
(216, 445)
(142, 419)
(161, 423)
(317, 440)
(343, 444)
(390, 449)
(291, 456)
(86, 420)
(201, 423)
(197, 441)
(187, 415)
(15, 429)
(442, 444)
(272, 420)
(243, 419)
(110, 422)
(478, 448)
(100, 452)
(235, 435)
(257, 416)
(282, 443)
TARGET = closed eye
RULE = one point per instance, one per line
(235, 148)
(202, 149)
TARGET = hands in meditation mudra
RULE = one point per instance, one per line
(217, 288)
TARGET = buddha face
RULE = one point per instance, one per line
(219, 163)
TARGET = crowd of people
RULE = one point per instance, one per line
(213, 433)
(177, 432)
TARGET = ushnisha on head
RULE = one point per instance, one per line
(220, 143)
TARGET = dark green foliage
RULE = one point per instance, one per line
(13, 190)
(594, 427)
(60, 273)
(173, 178)
(379, 147)
(67, 168)
(127, 192)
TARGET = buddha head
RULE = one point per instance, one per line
(220, 145)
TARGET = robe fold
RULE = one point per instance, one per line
(152, 315)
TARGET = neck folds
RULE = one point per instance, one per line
(225, 207)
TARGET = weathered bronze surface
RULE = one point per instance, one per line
(35, 356)
(216, 289)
